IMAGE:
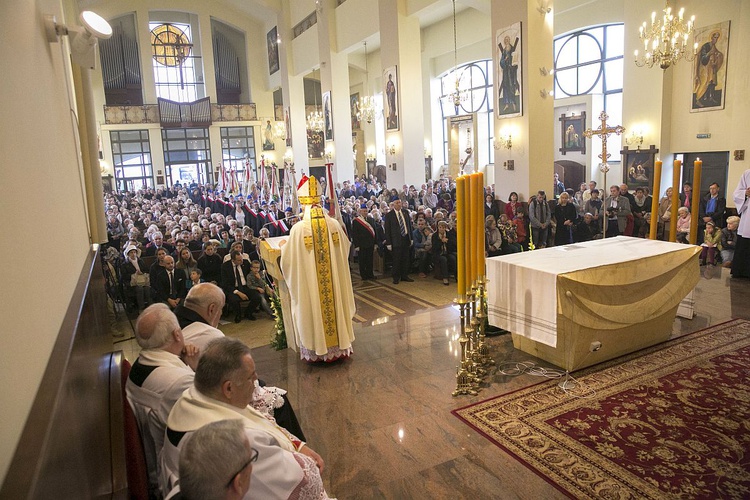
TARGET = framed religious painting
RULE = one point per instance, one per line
(509, 73)
(710, 67)
(272, 40)
(390, 91)
(638, 167)
(328, 116)
(288, 127)
(354, 110)
(571, 128)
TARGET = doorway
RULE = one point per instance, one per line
(715, 169)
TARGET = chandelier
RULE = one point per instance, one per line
(315, 120)
(665, 41)
(366, 106)
(457, 96)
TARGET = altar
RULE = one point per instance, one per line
(578, 305)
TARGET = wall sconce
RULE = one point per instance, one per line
(544, 93)
(370, 155)
(636, 138)
(83, 40)
(329, 154)
(391, 149)
(544, 71)
(288, 156)
(505, 141)
(543, 8)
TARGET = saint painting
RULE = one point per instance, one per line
(268, 144)
(272, 40)
(710, 67)
(509, 100)
(391, 98)
(327, 116)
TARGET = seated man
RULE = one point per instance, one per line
(162, 372)
(224, 385)
(216, 463)
(587, 229)
(169, 286)
(234, 284)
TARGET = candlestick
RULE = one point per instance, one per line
(655, 200)
(473, 228)
(461, 235)
(676, 170)
(481, 226)
(695, 203)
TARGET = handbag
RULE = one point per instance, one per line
(140, 279)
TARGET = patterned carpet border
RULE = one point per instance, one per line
(670, 421)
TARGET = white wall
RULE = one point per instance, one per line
(40, 251)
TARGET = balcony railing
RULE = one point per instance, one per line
(149, 113)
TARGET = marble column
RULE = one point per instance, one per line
(531, 132)
(334, 78)
(401, 46)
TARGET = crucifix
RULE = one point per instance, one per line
(604, 132)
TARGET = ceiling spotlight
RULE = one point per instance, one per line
(83, 40)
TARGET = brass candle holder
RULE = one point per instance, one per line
(484, 351)
(476, 364)
(465, 383)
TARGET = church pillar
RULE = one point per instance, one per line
(334, 78)
(401, 46)
(293, 95)
(531, 132)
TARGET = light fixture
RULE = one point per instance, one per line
(369, 155)
(543, 8)
(544, 93)
(391, 149)
(544, 71)
(83, 40)
(329, 154)
(366, 105)
(636, 138)
(457, 96)
(505, 141)
(666, 41)
(315, 120)
(288, 156)
(279, 130)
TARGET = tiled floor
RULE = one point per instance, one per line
(382, 421)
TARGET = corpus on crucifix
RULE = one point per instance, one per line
(604, 132)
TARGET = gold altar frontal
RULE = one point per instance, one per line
(624, 298)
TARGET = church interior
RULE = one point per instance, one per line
(245, 83)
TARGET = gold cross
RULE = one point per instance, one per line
(604, 131)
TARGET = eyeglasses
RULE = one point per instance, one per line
(253, 458)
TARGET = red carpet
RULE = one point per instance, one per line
(672, 421)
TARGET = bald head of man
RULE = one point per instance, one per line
(207, 300)
(157, 328)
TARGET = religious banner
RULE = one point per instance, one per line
(509, 71)
(390, 77)
(710, 67)
(272, 40)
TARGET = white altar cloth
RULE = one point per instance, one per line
(524, 294)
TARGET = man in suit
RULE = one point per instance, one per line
(398, 234)
(711, 209)
(169, 286)
(234, 283)
(156, 244)
(617, 211)
(363, 238)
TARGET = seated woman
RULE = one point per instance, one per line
(665, 215)
(135, 278)
(729, 240)
(210, 263)
(444, 251)
(683, 224)
(508, 232)
(711, 244)
(186, 262)
(493, 240)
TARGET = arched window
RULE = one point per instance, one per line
(176, 66)
(475, 82)
(590, 61)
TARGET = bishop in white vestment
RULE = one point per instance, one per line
(315, 263)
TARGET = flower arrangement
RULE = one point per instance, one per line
(278, 341)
